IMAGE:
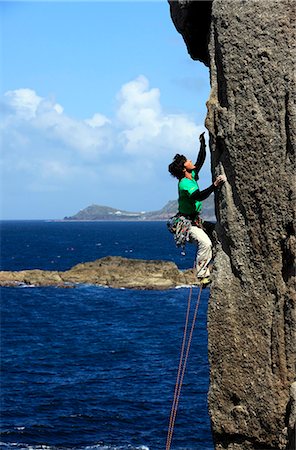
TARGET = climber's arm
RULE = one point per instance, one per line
(202, 195)
(201, 155)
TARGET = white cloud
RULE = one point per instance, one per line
(97, 120)
(47, 150)
(136, 102)
(59, 109)
(146, 128)
(33, 116)
(23, 102)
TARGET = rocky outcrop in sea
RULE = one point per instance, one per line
(249, 47)
(112, 271)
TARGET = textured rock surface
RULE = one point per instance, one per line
(251, 121)
(113, 271)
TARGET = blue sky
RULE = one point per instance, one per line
(96, 99)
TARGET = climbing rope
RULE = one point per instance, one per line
(182, 364)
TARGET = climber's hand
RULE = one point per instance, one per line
(219, 180)
(202, 138)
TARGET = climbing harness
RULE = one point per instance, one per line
(182, 363)
(180, 227)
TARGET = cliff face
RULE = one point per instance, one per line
(251, 121)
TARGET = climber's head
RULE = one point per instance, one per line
(180, 165)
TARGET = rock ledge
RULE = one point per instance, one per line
(112, 271)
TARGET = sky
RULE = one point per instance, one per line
(96, 98)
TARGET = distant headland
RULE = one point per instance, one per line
(97, 212)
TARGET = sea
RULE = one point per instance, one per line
(90, 367)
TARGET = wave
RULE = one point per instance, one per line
(182, 286)
(25, 285)
(99, 446)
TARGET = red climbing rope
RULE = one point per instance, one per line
(182, 365)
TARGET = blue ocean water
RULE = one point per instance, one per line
(93, 367)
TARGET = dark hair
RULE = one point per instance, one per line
(176, 168)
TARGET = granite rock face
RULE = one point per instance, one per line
(112, 271)
(251, 122)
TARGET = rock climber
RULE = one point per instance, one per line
(190, 204)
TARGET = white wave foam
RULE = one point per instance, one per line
(24, 285)
(99, 446)
(181, 286)
(110, 447)
(21, 446)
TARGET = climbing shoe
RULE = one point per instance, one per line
(204, 281)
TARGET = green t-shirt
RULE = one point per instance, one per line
(186, 187)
